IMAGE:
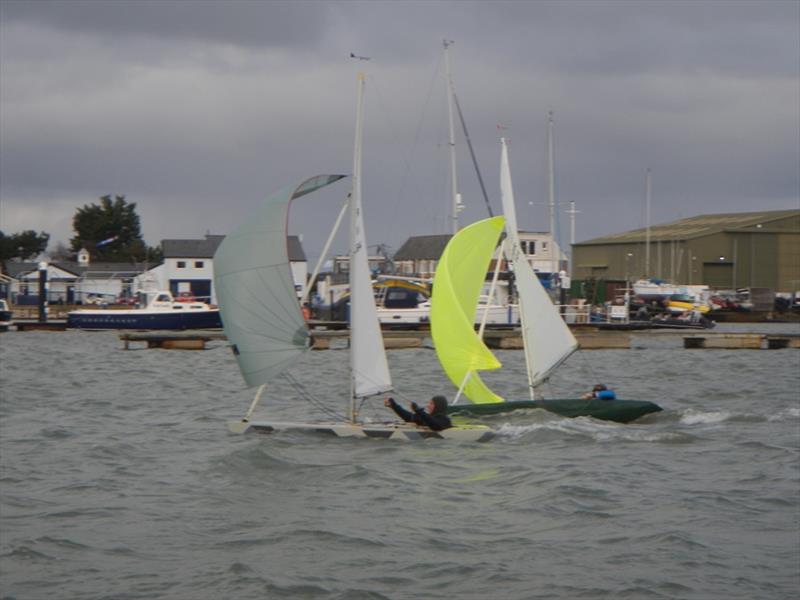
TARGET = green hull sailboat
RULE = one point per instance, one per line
(547, 340)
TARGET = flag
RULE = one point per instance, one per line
(104, 242)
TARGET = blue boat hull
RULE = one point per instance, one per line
(145, 320)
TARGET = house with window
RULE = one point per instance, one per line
(73, 282)
(188, 267)
(419, 255)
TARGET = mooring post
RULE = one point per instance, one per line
(42, 292)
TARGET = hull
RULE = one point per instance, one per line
(132, 319)
(620, 411)
(5, 320)
(392, 431)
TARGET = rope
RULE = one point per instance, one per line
(316, 402)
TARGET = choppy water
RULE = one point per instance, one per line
(118, 480)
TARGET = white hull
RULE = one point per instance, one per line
(475, 433)
(497, 315)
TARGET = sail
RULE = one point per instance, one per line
(255, 290)
(456, 289)
(370, 369)
(547, 339)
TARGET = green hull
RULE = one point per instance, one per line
(620, 411)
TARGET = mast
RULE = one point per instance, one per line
(551, 191)
(571, 212)
(647, 221)
(369, 369)
(455, 200)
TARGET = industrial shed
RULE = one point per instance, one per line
(724, 251)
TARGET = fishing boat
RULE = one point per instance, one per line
(547, 340)
(160, 311)
(263, 320)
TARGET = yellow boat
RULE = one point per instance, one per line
(679, 303)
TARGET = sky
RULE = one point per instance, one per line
(198, 110)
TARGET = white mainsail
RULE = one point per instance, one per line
(255, 290)
(370, 369)
(546, 337)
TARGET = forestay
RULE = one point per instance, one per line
(259, 307)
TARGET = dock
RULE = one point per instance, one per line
(171, 340)
(742, 341)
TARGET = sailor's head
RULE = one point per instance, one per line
(599, 387)
(437, 405)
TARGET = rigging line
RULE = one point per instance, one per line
(301, 390)
(472, 154)
(405, 178)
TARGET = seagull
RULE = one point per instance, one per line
(359, 57)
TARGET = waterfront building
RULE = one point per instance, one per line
(724, 251)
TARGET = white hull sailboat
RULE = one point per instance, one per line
(263, 320)
(547, 340)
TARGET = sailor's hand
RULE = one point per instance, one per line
(387, 401)
(414, 406)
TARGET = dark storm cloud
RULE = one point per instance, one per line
(249, 23)
(198, 109)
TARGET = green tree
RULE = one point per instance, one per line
(110, 231)
(23, 245)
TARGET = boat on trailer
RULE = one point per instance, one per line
(547, 340)
(263, 320)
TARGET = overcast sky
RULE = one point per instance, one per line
(198, 110)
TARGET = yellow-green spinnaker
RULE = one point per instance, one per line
(457, 286)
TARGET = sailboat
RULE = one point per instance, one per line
(547, 340)
(264, 323)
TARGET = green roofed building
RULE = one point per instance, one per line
(723, 251)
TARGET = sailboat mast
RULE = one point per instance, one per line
(454, 201)
(551, 191)
(648, 187)
(571, 212)
(355, 208)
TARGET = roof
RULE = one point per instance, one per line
(99, 270)
(423, 247)
(695, 227)
(207, 247)
(296, 253)
(191, 248)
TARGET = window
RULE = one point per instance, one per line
(181, 264)
(198, 264)
(532, 247)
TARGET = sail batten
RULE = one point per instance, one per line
(253, 279)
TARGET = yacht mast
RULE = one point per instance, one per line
(551, 192)
(648, 186)
(456, 199)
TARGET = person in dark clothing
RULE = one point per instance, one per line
(435, 418)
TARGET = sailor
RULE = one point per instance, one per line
(600, 392)
(435, 418)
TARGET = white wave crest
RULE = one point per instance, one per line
(696, 417)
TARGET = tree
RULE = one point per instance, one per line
(110, 231)
(23, 245)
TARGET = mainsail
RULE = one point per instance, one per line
(369, 368)
(259, 307)
(456, 289)
(546, 337)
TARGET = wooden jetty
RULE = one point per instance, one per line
(742, 341)
(171, 340)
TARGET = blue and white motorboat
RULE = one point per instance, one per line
(161, 311)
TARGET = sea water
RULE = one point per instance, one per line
(119, 480)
